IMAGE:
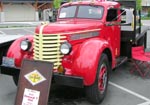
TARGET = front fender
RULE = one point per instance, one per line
(15, 52)
(87, 58)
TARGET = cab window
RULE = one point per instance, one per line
(112, 15)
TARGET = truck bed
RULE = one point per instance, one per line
(130, 38)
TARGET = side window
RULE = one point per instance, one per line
(112, 15)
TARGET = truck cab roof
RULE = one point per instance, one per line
(105, 4)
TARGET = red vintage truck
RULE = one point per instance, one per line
(89, 39)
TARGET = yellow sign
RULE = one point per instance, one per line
(35, 77)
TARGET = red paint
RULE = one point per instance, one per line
(86, 59)
(16, 53)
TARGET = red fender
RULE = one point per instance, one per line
(87, 58)
(15, 52)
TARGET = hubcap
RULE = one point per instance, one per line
(102, 79)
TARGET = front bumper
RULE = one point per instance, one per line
(58, 78)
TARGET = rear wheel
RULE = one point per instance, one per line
(96, 92)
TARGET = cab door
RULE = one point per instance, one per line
(113, 30)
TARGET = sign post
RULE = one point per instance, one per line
(34, 83)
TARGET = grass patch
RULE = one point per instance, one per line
(145, 18)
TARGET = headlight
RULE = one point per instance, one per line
(65, 48)
(25, 45)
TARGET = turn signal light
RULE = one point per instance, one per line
(61, 69)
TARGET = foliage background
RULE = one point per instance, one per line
(139, 4)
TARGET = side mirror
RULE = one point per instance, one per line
(127, 16)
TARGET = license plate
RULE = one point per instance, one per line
(8, 62)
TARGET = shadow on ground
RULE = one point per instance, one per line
(63, 95)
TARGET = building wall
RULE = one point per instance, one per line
(145, 7)
(19, 12)
(145, 2)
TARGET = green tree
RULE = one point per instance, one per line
(139, 4)
(57, 3)
(148, 12)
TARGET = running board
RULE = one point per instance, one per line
(121, 60)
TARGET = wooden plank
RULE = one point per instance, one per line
(36, 5)
(1, 6)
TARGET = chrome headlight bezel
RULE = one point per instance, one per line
(25, 45)
(65, 48)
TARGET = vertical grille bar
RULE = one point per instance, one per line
(46, 48)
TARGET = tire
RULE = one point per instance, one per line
(96, 92)
(15, 79)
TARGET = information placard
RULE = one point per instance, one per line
(30, 97)
(34, 83)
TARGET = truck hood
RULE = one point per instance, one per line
(62, 27)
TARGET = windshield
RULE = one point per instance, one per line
(67, 12)
(84, 11)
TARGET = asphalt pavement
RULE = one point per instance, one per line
(124, 89)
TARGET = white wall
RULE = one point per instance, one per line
(145, 2)
(19, 12)
(2, 18)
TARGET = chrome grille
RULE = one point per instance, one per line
(47, 48)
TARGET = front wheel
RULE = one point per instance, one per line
(96, 92)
